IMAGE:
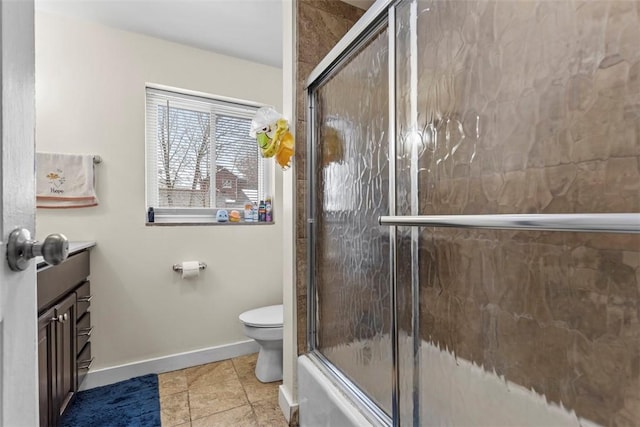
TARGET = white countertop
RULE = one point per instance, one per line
(74, 247)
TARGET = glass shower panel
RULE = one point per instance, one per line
(552, 312)
(524, 107)
(351, 252)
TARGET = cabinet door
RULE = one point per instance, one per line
(46, 366)
(66, 351)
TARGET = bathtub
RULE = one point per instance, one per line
(453, 392)
(322, 402)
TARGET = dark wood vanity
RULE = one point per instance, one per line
(64, 332)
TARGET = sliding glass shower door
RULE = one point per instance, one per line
(528, 107)
(475, 212)
(350, 271)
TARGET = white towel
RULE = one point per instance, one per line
(65, 181)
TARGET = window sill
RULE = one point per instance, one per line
(204, 223)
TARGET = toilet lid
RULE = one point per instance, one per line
(264, 317)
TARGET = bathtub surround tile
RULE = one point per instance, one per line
(327, 28)
(301, 136)
(304, 70)
(218, 397)
(336, 8)
(302, 322)
(301, 148)
(301, 294)
(240, 416)
(301, 209)
(301, 266)
(174, 408)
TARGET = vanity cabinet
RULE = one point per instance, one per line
(64, 331)
(57, 359)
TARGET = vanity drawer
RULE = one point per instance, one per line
(83, 298)
(56, 281)
(83, 331)
(83, 363)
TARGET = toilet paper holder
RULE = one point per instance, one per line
(178, 267)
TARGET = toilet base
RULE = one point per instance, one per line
(269, 364)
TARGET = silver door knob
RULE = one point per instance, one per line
(20, 249)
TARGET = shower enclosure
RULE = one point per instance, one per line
(474, 199)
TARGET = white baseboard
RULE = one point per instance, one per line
(173, 362)
(288, 406)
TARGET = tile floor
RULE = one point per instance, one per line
(224, 393)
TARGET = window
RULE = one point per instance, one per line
(200, 157)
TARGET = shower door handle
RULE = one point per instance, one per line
(600, 223)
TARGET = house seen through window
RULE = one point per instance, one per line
(200, 157)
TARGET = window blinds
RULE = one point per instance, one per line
(199, 153)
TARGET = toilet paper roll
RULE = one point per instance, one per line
(190, 269)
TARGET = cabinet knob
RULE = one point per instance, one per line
(21, 248)
(60, 318)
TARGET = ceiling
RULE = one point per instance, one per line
(247, 29)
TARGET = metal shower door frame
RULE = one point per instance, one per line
(381, 13)
(376, 17)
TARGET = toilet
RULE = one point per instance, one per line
(264, 325)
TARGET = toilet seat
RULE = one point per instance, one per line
(264, 317)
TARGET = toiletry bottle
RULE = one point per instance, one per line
(262, 212)
(151, 215)
(254, 211)
(248, 212)
(268, 210)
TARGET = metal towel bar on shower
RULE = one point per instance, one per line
(599, 223)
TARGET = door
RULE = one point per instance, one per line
(350, 252)
(18, 317)
(517, 237)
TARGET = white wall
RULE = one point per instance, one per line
(90, 95)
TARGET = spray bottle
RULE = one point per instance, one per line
(268, 209)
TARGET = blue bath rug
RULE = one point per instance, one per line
(129, 403)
